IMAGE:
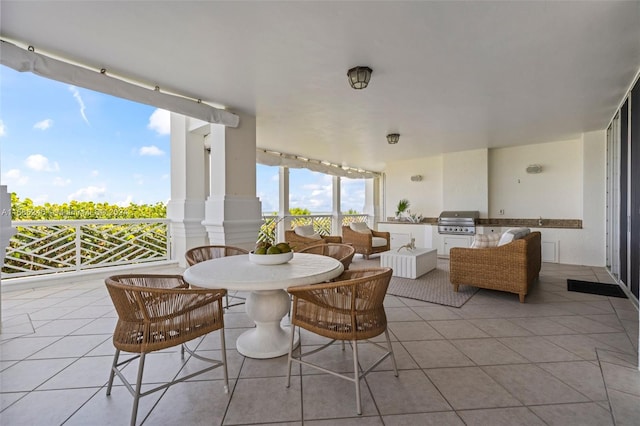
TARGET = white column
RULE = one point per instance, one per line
(185, 210)
(283, 203)
(373, 201)
(232, 211)
(6, 230)
(336, 222)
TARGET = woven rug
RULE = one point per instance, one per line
(432, 287)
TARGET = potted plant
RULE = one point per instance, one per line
(403, 206)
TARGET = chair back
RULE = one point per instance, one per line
(350, 308)
(202, 253)
(342, 252)
(160, 311)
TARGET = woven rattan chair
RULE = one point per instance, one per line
(158, 312)
(363, 243)
(342, 252)
(299, 242)
(202, 253)
(349, 309)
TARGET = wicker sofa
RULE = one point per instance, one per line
(299, 242)
(511, 267)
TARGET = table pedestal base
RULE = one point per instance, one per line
(269, 339)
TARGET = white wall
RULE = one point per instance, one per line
(555, 193)
(425, 196)
(465, 181)
(571, 186)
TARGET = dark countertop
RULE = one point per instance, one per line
(504, 223)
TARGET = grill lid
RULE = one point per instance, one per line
(458, 216)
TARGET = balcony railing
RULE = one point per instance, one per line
(44, 247)
(321, 223)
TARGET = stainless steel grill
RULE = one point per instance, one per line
(458, 222)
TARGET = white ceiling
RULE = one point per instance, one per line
(447, 76)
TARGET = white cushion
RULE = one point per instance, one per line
(485, 240)
(360, 227)
(513, 234)
(378, 242)
(304, 231)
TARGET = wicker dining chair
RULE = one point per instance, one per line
(158, 312)
(348, 309)
(202, 253)
(342, 252)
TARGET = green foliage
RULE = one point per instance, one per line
(83, 210)
(403, 205)
(351, 211)
(297, 211)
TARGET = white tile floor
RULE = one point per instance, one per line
(562, 358)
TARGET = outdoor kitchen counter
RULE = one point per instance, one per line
(504, 223)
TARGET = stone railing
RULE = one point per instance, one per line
(44, 247)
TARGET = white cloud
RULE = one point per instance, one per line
(41, 163)
(94, 173)
(160, 122)
(58, 181)
(126, 202)
(150, 150)
(76, 94)
(44, 124)
(3, 129)
(15, 177)
(89, 193)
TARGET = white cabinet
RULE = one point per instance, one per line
(402, 233)
(450, 241)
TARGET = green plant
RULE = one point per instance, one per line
(402, 207)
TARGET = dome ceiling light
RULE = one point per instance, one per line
(359, 77)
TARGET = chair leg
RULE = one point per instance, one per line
(223, 349)
(136, 396)
(293, 333)
(113, 372)
(393, 357)
(356, 377)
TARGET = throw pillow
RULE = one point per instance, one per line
(485, 240)
(304, 231)
(360, 227)
(513, 234)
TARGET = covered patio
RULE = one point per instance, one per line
(562, 358)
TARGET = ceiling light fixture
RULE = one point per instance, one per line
(393, 138)
(359, 77)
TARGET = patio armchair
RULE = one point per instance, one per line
(202, 253)
(366, 241)
(304, 236)
(157, 312)
(342, 252)
(348, 309)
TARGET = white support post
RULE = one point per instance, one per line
(372, 201)
(233, 213)
(185, 210)
(336, 213)
(6, 230)
(283, 203)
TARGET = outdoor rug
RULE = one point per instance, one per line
(432, 287)
(611, 290)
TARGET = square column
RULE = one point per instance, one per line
(233, 213)
(6, 230)
(185, 209)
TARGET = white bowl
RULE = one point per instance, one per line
(270, 259)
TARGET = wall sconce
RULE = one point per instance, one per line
(393, 138)
(359, 77)
(534, 168)
(416, 178)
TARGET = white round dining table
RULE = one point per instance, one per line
(268, 302)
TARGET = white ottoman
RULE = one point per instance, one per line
(410, 264)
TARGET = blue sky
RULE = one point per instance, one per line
(60, 143)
